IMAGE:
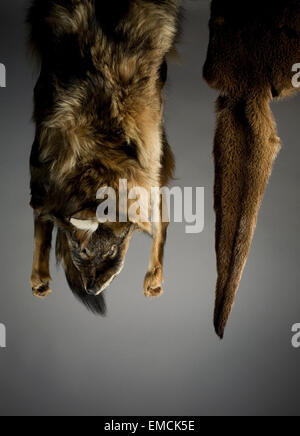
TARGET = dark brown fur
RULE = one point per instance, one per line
(98, 115)
(253, 47)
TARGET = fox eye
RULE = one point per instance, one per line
(113, 252)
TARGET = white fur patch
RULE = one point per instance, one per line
(86, 225)
(109, 282)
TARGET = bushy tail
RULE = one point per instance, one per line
(246, 145)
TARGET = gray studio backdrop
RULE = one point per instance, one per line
(151, 357)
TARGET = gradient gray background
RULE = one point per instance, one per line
(151, 357)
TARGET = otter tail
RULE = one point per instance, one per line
(246, 145)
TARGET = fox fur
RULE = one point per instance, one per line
(99, 118)
(253, 47)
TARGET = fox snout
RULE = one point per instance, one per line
(93, 290)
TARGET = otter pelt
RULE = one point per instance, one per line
(252, 50)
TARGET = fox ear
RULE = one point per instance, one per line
(85, 225)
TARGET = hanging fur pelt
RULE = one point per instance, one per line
(98, 111)
(253, 48)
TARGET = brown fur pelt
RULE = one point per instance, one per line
(99, 119)
(253, 47)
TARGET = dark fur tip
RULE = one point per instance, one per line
(220, 332)
(95, 305)
(219, 325)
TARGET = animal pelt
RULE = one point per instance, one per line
(99, 118)
(253, 47)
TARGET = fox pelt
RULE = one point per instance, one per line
(98, 110)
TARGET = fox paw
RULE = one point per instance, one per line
(40, 289)
(153, 283)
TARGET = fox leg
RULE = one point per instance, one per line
(154, 277)
(40, 277)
